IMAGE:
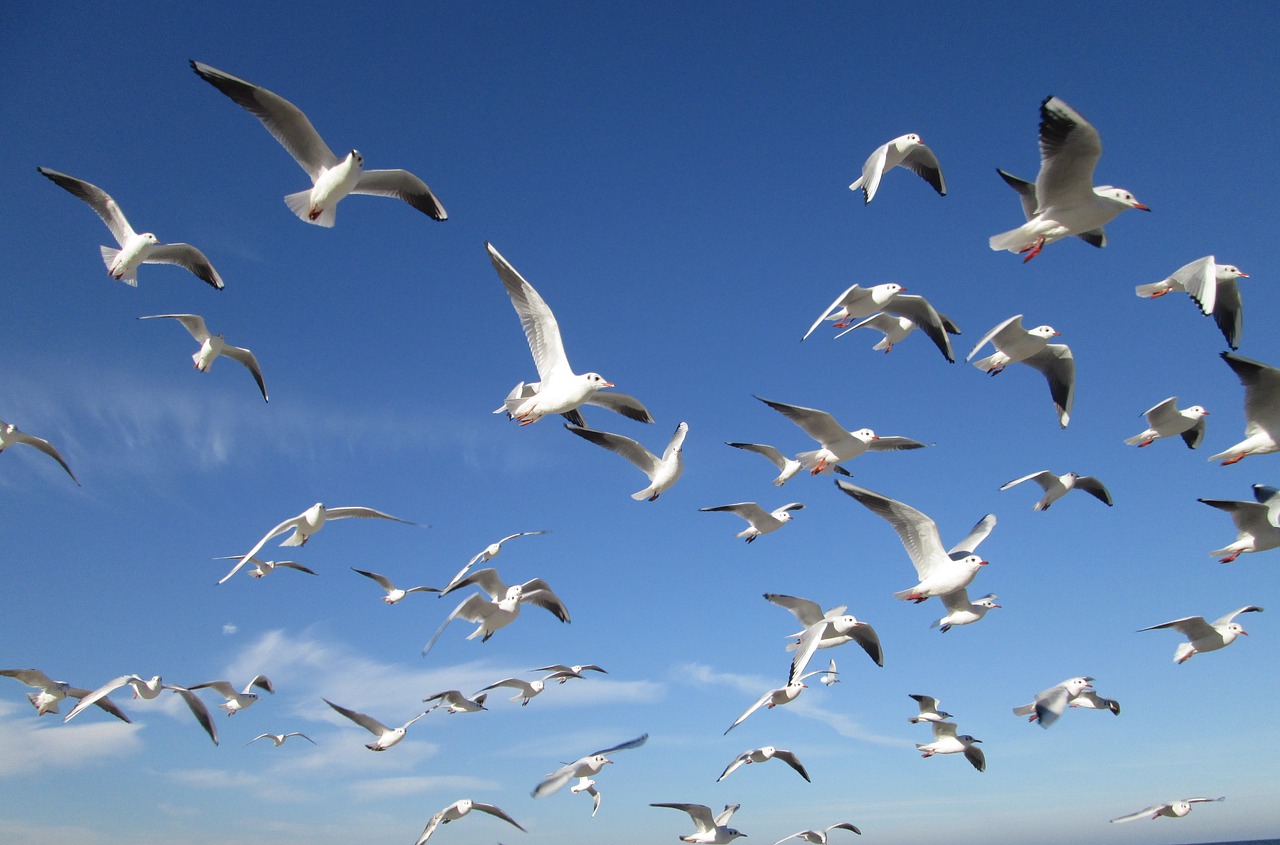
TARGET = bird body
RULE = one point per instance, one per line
(1171, 809)
(453, 701)
(1261, 409)
(1212, 286)
(1256, 523)
(929, 711)
(237, 701)
(459, 809)
(1166, 420)
(1057, 486)
(962, 611)
(583, 767)
(148, 689)
(761, 755)
(904, 151)
(1205, 636)
(385, 737)
(825, 629)
(947, 741)
(9, 435)
(663, 472)
(1051, 703)
(1016, 345)
(709, 830)
(502, 605)
(393, 593)
(759, 520)
(837, 444)
(51, 693)
(213, 345)
(776, 697)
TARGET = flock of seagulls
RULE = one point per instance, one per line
(1062, 202)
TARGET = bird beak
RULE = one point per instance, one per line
(983, 563)
(1244, 275)
(1140, 206)
(1243, 631)
(609, 384)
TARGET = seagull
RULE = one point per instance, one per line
(583, 767)
(896, 327)
(857, 302)
(1027, 195)
(453, 701)
(263, 568)
(1261, 409)
(1057, 486)
(307, 523)
(825, 630)
(831, 676)
(760, 755)
(52, 692)
(787, 468)
(9, 435)
(776, 697)
(457, 810)
(939, 572)
(135, 249)
(394, 593)
(213, 345)
(386, 737)
(1165, 420)
(838, 445)
(560, 390)
(761, 521)
(1255, 522)
(237, 700)
(1205, 636)
(588, 785)
(1173, 809)
(487, 554)
(904, 151)
(929, 711)
(946, 741)
(278, 739)
(525, 690)
(501, 607)
(147, 690)
(332, 178)
(819, 837)
(562, 673)
(1213, 288)
(1051, 703)
(1090, 700)
(962, 611)
(1066, 202)
(1014, 345)
(708, 830)
(662, 472)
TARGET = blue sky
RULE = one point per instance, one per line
(673, 180)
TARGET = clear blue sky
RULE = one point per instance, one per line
(673, 179)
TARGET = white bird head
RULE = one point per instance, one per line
(1075, 686)
(148, 237)
(1234, 630)
(972, 562)
(1121, 196)
(356, 159)
(865, 434)
(1196, 411)
(1045, 332)
(1227, 272)
(596, 381)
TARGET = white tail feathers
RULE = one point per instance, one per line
(1013, 240)
(109, 258)
(1148, 291)
(300, 204)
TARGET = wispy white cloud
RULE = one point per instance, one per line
(381, 789)
(46, 743)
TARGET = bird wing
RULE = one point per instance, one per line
(1200, 280)
(774, 455)
(99, 200)
(974, 755)
(1228, 312)
(285, 121)
(495, 811)
(808, 612)
(1044, 478)
(646, 461)
(620, 403)
(726, 814)
(918, 310)
(866, 636)
(918, 533)
(538, 592)
(401, 185)
(1058, 366)
(844, 300)
(819, 425)
(1192, 627)
(943, 730)
(1261, 392)
(291, 522)
(791, 760)
(1069, 151)
(193, 323)
(91, 698)
(31, 677)
(46, 447)
(1026, 192)
(1147, 813)
(980, 531)
(921, 161)
(753, 708)
(244, 356)
(1225, 620)
(473, 609)
(486, 579)
(808, 644)
(734, 765)
(1095, 488)
(750, 511)
(894, 443)
(382, 580)
(362, 513)
(540, 327)
(524, 687)
(700, 813)
(1050, 704)
(198, 709)
(1014, 323)
(187, 257)
(956, 600)
(431, 827)
(369, 723)
(872, 172)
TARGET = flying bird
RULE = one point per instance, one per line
(236, 701)
(1057, 486)
(559, 390)
(487, 554)
(457, 810)
(135, 249)
(1066, 201)
(561, 672)
(896, 328)
(147, 690)
(1027, 196)
(759, 520)
(584, 767)
(1090, 700)
(307, 523)
(939, 572)
(9, 435)
(825, 629)
(386, 737)
(708, 829)
(947, 741)
(1261, 409)
(819, 837)
(1051, 703)
(662, 472)
(963, 611)
(929, 711)
(1212, 286)
(453, 701)
(1172, 809)
(332, 178)
(213, 345)
(279, 739)
(394, 593)
(904, 151)
(776, 697)
(1166, 420)
(1255, 522)
(588, 785)
(1016, 345)
(263, 568)
(502, 605)
(858, 302)
(525, 690)
(1205, 636)
(761, 755)
(838, 445)
(52, 692)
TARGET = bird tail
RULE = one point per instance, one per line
(988, 363)
(1012, 241)
(904, 595)
(300, 204)
(295, 539)
(1148, 291)
(1135, 440)
(109, 258)
(808, 460)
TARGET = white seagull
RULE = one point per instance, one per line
(583, 767)
(947, 741)
(453, 701)
(1205, 636)
(1166, 420)
(1261, 409)
(394, 593)
(525, 690)
(588, 785)
(708, 829)
(831, 676)
(263, 568)
(777, 697)
(1090, 700)
(1027, 195)
(502, 605)
(147, 690)
(53, 692)
(457, 810)
(1057, 486)
(787, 467)
(662, 472)
(386, 737)
(9, 435)
(559, 390)
(237, 700)
(760, 521)
(487, 554)
(332, 178)
(857, 302)
(762, 754)
(929, 711)
(1016, 345)
(904, 151)
(963, 611)
(561, 672)
(135, 249)
(825, 630)
(939, 572)
(1172, 809)
(896, 327)
(279, 739)
(838, 445)
(1212, 286)
(1066, 202)
(1051, 703)
(819, 837)
(307, 523)
(213, 345)
(1255, 522)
